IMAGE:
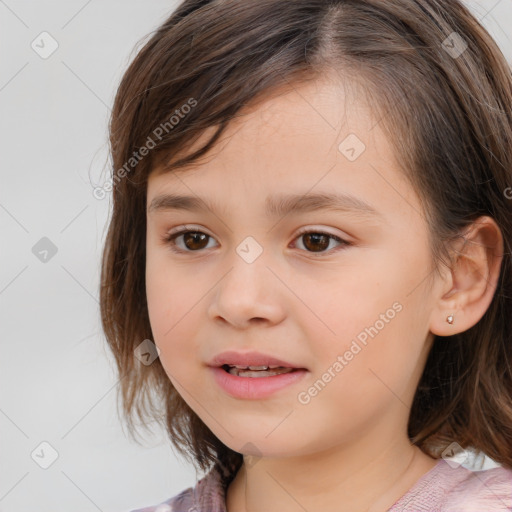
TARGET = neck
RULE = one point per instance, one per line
(358, 478)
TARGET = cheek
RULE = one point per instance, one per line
(171, 302)
(362, 375)
(380, 329)
(171, 316)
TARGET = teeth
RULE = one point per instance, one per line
(259, 373)
(249, 367)
(243, 367)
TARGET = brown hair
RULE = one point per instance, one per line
(448, 116)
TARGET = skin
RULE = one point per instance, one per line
(347, 449)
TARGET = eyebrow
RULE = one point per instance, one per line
(276, 205)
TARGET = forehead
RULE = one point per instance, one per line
(321, 133)
(291, 112)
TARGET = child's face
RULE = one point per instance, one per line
(355, 316)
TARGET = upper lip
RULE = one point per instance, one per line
(249, 359)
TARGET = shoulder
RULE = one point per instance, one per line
(489, 490)
(455, 488)
(182, 502)
(208, 495)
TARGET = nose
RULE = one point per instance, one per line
(248, 293)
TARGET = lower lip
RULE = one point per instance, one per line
(255, 387)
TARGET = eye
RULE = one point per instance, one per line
(318, 241)
(193, 240)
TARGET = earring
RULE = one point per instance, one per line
(449, 319)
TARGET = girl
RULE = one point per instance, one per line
(308, 266)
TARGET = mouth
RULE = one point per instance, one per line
(256, 382)
(242, 363)
(256, 371)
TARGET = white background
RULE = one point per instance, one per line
(58, 382)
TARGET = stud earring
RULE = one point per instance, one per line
(449, 319)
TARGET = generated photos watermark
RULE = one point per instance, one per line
(150, 143)
(304, 397)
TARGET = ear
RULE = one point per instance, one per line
(469, 286)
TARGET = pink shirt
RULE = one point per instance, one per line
(443, 489)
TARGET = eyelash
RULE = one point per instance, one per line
(169, 239)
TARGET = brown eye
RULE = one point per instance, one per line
(192, 241)
(318, 242)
